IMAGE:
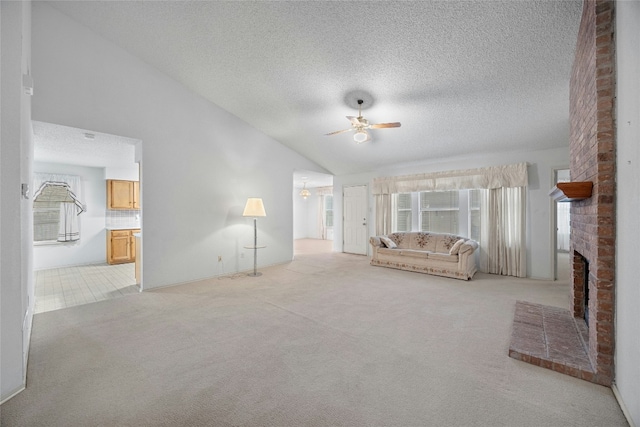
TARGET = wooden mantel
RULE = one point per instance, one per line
(571, 191)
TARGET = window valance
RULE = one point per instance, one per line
(323, 191)
(507, 176)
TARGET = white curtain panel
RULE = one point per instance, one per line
(383, 214)
(322, 229)
(503, 247)
(564, 227)
(69, 230)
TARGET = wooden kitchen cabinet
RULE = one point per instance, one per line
(121, 246)
(136, 195)
(133, 244)
(123, 194)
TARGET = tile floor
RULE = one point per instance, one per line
(66, 287)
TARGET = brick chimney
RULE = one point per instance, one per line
(592, 158)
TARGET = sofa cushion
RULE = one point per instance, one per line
(443, 257)
(388, 242)
(423, 241)
(414, 253)
(386, 251)
(400, 239)
(456, 247)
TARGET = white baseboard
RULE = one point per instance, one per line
(217, 277)
(14, 393)
(625, 411)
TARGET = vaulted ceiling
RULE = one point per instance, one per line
(463, 77)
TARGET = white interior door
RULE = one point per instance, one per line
(354, 202)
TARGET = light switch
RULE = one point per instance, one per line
(25, 191)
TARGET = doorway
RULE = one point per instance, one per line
(562, 221)
(69, 272)
(355, 208)
(312, 212)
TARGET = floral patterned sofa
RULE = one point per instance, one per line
(433, 253)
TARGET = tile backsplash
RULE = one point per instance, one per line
(123, 218)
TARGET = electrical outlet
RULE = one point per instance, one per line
(219, 258)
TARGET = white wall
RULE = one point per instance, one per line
(540, 251)
(91, 248)
(125, 174)
(300, 216)
(16, 227)
(627, 326)
(199, 162)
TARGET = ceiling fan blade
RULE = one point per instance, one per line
(385, 125)
(338, 131)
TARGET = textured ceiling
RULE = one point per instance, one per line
(63, 144)
(463, 77)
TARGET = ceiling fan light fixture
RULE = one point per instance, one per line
(361, 125)
(360, 136)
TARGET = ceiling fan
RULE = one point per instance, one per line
(360, 125)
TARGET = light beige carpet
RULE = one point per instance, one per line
(324, 340)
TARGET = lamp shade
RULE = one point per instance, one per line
(254, 207)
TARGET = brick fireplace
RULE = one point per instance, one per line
(580, 341)
(592, 158)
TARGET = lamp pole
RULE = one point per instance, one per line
(254, 208)
(255, 246)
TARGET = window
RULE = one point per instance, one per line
(403, 215)
(455, 212)
(474, 214)
(439, 211)
(55, 213)
(328, 210)
(46, 220)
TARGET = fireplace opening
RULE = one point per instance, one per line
(581, 287)
(586, 290)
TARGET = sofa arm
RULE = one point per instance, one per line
(375, 241)
(468, 246)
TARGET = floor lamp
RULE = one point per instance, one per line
(254, 208)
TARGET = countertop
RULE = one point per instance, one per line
(135, 227)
